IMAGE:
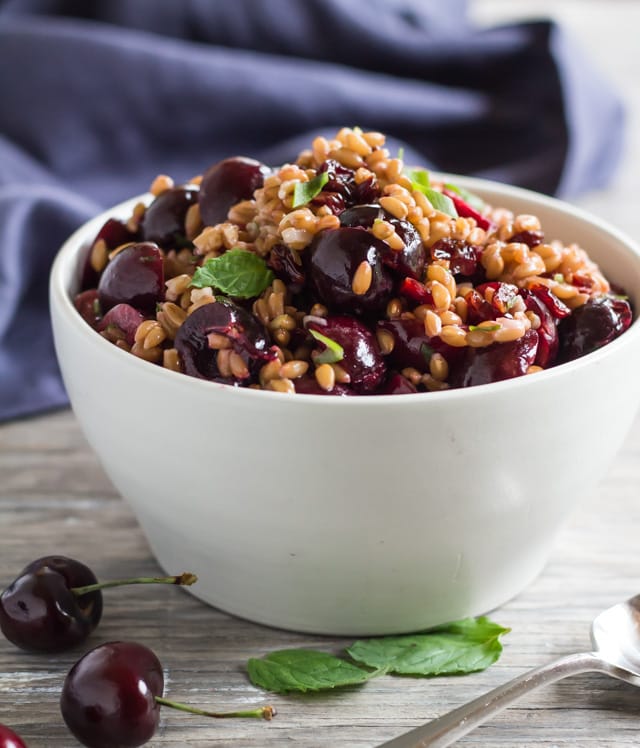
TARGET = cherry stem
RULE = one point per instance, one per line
(184, 579)
(261, 712)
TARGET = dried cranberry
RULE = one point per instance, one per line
(496, 362)
(362, 360)
(462, 257)
(331, 262)
(466, 211)
(135, 276)
(592, 325)
(222, 320)
(557, 307)
(530, 238)
(121, 321)
(332, 200)
(503, 297)
(282, 262)
(163, 221)
(226, 183)
(415, 291)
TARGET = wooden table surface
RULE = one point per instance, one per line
(55, 498)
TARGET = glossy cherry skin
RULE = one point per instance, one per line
(8, 739)
(593, 325)
(108, 696)
(226, 183)
(38, 611)
(407, 262)
(341, 191)
(308, 385)
(113, 233)
(362, 360)
(243, 332)
(163, 220)
(496, 362)
(135, 276)
(331, 262)
(398, 385)
(413, 347)
(122, 321)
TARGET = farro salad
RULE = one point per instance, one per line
(344, 273)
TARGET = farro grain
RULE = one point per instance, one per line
(223, 362)
(362, 278)
(432, 324)
(438, 367)
(282, 385)
(294, 369)
(325, 377)
(386, 341)
(394, 206)
(161, 184)
(171, 360)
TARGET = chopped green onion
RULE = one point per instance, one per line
(333, 353)
(484, 328)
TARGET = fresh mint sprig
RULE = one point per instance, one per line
(304, 192)
(237, 273)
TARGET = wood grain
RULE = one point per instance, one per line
(54, 497)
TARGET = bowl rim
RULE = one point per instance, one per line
(65, 268)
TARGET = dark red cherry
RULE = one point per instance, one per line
(109, 696)
(547, 331)
(209, 335)
(135, 276)
(121, 322)
(496, 362)
(9, 739)
(557, 308)
(163, 220)
(362, 359)
(412, 347)
(87, 303)
(39, 611)
(331, 262)
(226, 183)
(308, 385)
(407, 262)
(398, 385)
(592, 325)
(113, 233)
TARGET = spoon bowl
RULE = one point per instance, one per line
(615, 634)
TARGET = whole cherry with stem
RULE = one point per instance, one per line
(56, 602)
(9, 739)
(112, 696)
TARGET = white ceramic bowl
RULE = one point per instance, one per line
(369, 515)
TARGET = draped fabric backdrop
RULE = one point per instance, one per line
(99, 96)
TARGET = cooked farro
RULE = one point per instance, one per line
(342, 273)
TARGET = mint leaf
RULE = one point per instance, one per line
(237, 272)
(439, 201)
(419, 178)
(470, 198)
(427, 351)
(304, 670)
(304, 192)
(333, 352)
(460, 647)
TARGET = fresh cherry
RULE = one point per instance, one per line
(113, 233)
(226, 183)
(592, 325)
(120, 322)
(135, 276)
(56, 602)
(163, 220)
(111, 697)
(332, 260)
(361, 357)
(208, 338)
(8, 738)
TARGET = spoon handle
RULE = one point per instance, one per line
(447, 729)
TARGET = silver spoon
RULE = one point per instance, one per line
(615, 635)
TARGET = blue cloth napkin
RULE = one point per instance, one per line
(96, 98)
